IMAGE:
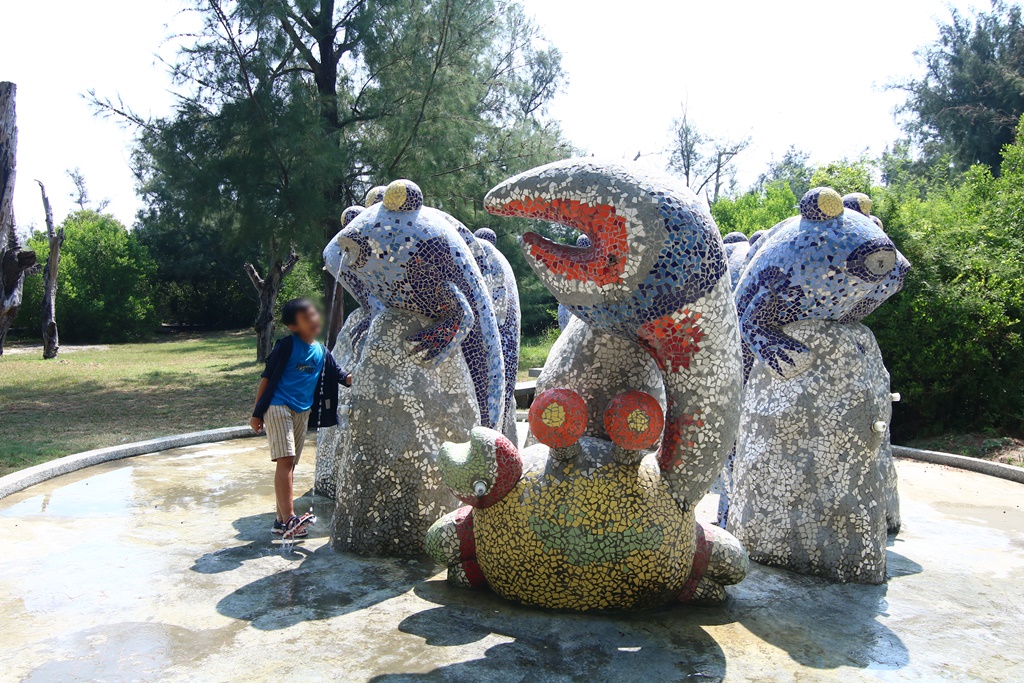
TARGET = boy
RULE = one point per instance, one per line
(298, 390)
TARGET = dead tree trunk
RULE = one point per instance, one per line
(14, 261)
(268, 288)
(51, 341)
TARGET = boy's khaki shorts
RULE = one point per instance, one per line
(286, 431)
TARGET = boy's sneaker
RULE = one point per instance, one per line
(296, 527)
(279, 528)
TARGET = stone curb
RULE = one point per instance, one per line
(37, 474)
(993, 469)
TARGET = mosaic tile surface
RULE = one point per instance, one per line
(737, 246)
(818, 401)
(598, 367)
(808, 489)
(656, 275)
(429, 366)
(389, 489)
(590, 525)
(333, 442)
(829, 263)
(415, 260)
(564, 316)
(501, 283)
(606, 521)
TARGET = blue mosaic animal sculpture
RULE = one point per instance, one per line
(737, 246)
(812, 483)
(655, 274)
(828, 263)
(368, 304)
(501, 282)
(413, 259)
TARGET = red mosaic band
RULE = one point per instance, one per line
(701, 557)
(474, 575)
(464, 531)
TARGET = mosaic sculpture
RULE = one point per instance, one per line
(564, 316)
(737, 246)
(598, 366)
(585, 522)
(862, 204)
(431, 368)
(808, 489)
(501, 283)
(333, 444)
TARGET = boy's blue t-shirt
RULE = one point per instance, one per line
(298, 381)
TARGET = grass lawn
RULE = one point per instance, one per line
(534, 351)
(96, 397)
(128, 392)
(104, 396)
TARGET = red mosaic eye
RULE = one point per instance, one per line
(634, 421)
(558, 418)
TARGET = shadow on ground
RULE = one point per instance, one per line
(819, 625)
(557, 646)
(324, 585)
(256, 530)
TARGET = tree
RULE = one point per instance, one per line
(104, 280)
(200, 278)
(972, 94)
(54, 239)
(14, 261)
(704, 162)
(845, 176)
(288, 111)
(80, 195)
(792, 168)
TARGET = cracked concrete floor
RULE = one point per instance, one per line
(161, 568)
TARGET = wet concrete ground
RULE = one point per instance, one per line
(161, 568)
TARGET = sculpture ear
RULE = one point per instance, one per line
(375, 195)
(821, 204)
(403, 195)
(859, 202)
(349, 214)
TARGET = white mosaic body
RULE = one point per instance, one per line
(388, 487)
(333, 443)
(810, 487)
(598, 367)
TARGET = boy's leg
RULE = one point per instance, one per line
(300, 421)
(284, 488)
(299, 424)
(279, 425)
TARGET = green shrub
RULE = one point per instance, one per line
(755, 210)
(104, 283)
(952, 338)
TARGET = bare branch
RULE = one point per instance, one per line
(293, 258)
(257, 281)
(50, 232)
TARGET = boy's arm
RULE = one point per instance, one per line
(256, 421)
(344, 378)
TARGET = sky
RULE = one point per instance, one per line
(808, 73)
